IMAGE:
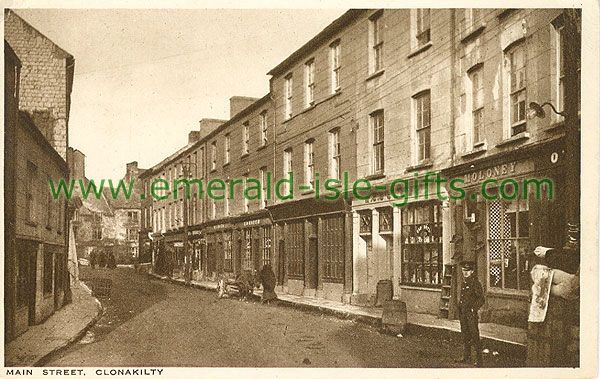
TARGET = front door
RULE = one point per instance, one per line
(211, 261)
(256, 254)
(31, 281)
(281, 263)
(313, 269)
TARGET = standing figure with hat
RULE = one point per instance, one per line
(471, 299)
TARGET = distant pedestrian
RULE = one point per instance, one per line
(102, 259)
(471, 299)
(112, 261)
(268, 281)
(93, 259)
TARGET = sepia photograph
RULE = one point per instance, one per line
(353, 188)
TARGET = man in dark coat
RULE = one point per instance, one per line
(112, 261)
(102, 259)
(93, 259)
(471, 299)
(268, 281)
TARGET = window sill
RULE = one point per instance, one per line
(376, 176)
(375, 75)
(245, 155)
(474, 31)
(213, 170)
(508, 293)
(420, 50)
(262, 147)
(427, 163)
(514, 139)
(308, 109)
(31, 223)
(421, 287)
(478, 148)
(226, 164)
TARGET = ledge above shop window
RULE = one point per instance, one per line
(426, 163)
(421, 287)
(379, 175)
(507, 293)
(514, 139)
(420, 50)
(556, 127)
(375, 75)
(478, 148)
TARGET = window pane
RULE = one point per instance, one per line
(524, 265)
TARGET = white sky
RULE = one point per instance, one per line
(144, 78)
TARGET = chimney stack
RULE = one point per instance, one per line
(239, 103)
(208, 125)
(131, 170)
(193, 136)
(76, 163)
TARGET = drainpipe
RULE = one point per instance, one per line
(453, 84)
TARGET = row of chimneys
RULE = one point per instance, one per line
(208, 125)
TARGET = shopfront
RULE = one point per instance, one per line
(253, 248)
(215, 257)
(174, 254)
(313, 240)
(198, 245)
(499, 229)
(402, 244)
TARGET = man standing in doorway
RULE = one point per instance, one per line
(471, 299)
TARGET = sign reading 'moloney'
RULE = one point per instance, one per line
(491, 172)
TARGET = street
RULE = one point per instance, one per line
(148, 322)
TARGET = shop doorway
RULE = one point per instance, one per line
(31, 278)
(313, 263)
(256, 254)
(281, 263)
(211, 261)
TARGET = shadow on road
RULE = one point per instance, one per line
(131, 293)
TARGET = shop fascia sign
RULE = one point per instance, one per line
(494, 172)
(251, 223)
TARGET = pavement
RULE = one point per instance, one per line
(64, 327)
(492, 332)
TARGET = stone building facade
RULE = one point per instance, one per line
(43, 62)
(36, 277)
(507, 59)
(408, 111)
